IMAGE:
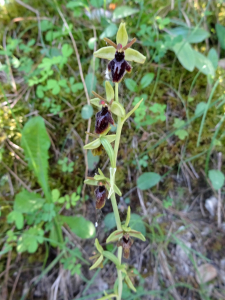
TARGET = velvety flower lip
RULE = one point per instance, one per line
(126, 242)
(119, 66)
(103, 118)
(100, 194)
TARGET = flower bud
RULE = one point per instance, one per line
(103, 118)
(100, 194)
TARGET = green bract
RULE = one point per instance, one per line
(97, 143)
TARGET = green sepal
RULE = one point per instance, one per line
(128, 217)
(122, 36)
(95, 102)
(91, 182)
(111, 257)
(134, 55)
(98, 246)
(109, 91)
(106, 53)
(93, 145)
(97, 263)
(115, 236)
(117, 190)
(133, 110)
(100, 171)
(137, 235)
(126, 229)
(108, 148)
(129, 283)
(118, 109)
(99, 177)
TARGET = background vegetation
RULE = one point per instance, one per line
(172, 148)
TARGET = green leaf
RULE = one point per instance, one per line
(131, 85)
(109, 221)
(137, 224)
(66, 50)
(192, 35)
(53, 85)
(217, 179)
(26, 202)
(203, 64)
(91, 82)
(80, 226)
(147, 79)
(111, 257)
(109, 31)
(213, 57)
(148, 180)
(30, 239)
(17, 217)
(35, 142)
(76, 3)
(87, 112)
(91, 43)
(97, 3)
(55, 195)
(220, 30)
(92, 160)
(200, 108)
(185, 55)
(124, 11)
(181, 133)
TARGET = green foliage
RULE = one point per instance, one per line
(217, 178)
(17, 217)
(87, 112)
(124, 11)
(181, 133)
(66, 167)
(69, 201)
(80, 226)
(220, 30)
(30, 239)
(148, 180)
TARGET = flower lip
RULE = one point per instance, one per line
(103, 118)
(100, 194)
(119, 56)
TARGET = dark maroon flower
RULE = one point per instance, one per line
(126, 242)
(119, 66)
(100, 194)
(103, 118)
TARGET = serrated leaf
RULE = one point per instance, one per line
(217, 179)
(27, 202)
(148, 180)
(35, 142)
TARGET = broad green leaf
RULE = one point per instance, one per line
(76, 3)
(66, 50)
(203, 64)
(87, 112)
(26, 202)
(30, 239)
(147, 79)
(55, 195)
(131, 85)
(200, 108)
(92, 160)
(35, 142)
(217, 179)
(148, 180)
(137, 224)
(124, 11)
(109, 221)
(80, 226)
(109, 31)
(91, 43)
(192, 35)
(185, 55)
(17, 217)
(220, 30)
(213, 57)
(91, 82)
(97, 3)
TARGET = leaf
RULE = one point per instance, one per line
(109, 31)
(87, 112)
(92, 160)
(111, 257)
(91, 43)
(67, 50)
(91, 82)
(203, 64)
(53, 85)
(97, 3)
(30, 239)
(17, 217)
(131, 85)
(148, 180)
(220, 30)
(55, 195)
(80, 226)
(213, 57)
(200, 108)
(124, 11)
(109, 221)
(192, 35)
(181, 133)
(137, 224)
(35, 142)
(26, 202)
(185, 55)
(217, 179)
(147, 79)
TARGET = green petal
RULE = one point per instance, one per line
(97, 263)
(134, 55)
(115, 236)
(95, 102)
(137, 235)
(106, 53)
(93, 145)
(118, 109)
(109, 91)
(122, 36)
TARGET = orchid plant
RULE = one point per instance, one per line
(118, 54)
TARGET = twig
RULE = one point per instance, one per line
(5, 289)
(15, 283)
(219, 157)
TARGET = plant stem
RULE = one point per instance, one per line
(113, 197)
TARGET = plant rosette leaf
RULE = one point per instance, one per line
(217, 178)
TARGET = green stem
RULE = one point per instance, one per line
(113, 197)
